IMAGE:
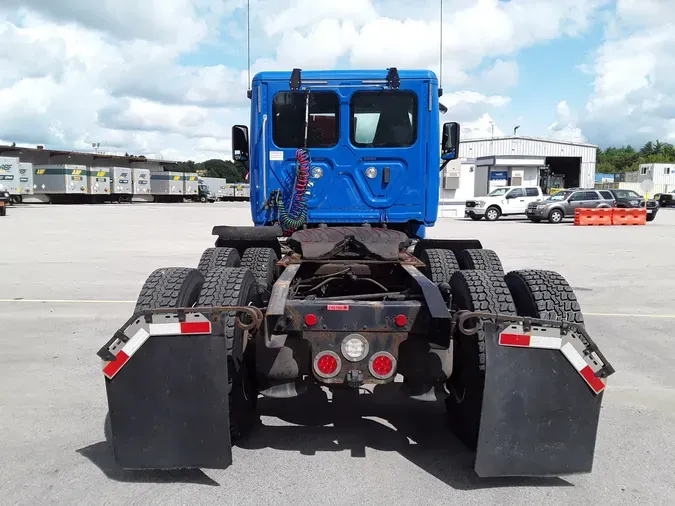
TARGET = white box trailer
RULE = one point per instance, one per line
(141, 185)
(9, 175)
(191, 185)
(120, 184)
(166, 186)
(229, 191)
(26, 179)
(242, 191)
(60, 179)
(99, 183)
(216, 186)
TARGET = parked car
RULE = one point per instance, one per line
(665, 199)
(630, 199)
(504, 201)
(562, 204)
(4, 199)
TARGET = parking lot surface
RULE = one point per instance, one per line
(69, 276)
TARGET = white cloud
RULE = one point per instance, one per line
(76, 73)
(565, 128)
(633, 95)
(481, 128)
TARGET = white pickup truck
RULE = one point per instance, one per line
(503, 201)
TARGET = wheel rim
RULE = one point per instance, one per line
(556, 216)
(492, 214)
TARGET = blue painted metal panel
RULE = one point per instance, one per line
(344, 194)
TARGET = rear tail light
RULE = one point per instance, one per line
(382, 365)
(327, 364)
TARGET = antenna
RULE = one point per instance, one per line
(248, 47)
(440, 74)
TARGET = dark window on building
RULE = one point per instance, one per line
(383, 119)
(288, 123)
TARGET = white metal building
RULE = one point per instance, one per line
(485, 164)
(662, 174)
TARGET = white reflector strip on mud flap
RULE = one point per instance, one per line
(139, 332)
(553, 339)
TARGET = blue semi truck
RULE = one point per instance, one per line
(337, 286)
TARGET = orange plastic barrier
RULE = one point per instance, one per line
(586, 217)
(629, 216)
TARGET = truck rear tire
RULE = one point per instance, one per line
(473, 291)
(544, 294)
(263, 263)
(481, 260)
(218, 257)
(440, 264)
(235, 286)
(170, 287)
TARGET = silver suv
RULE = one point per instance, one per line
(563, 203)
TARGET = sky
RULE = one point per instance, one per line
(168, 78)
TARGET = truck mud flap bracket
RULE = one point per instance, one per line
(541, 402)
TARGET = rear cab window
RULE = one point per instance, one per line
(532, 192)
(288, 123)
(383, 119)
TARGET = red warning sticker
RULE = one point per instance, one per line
(337, 307)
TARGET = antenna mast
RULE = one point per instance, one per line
(248, 47)
(440, 75)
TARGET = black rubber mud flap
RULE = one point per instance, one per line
(539, 416)
(169, 405)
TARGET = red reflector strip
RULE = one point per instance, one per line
(195, 328)
(526, 340)
(127, 351)
(575, 358)
(514, 339)
(183, 328)
(113, 367)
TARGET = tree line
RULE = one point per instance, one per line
(626, 159)
(233, 172)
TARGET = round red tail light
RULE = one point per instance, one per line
(327, 364)
(401, 320)
(310, 320)
(382, 365)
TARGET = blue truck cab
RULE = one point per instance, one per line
(372, 142)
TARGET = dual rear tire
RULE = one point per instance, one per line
(221, 286)
(478, 283)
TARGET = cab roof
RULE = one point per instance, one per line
(347, 75)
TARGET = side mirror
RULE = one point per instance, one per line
(450, 142)
(240, 143)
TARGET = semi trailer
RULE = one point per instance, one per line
(141, 185)
(167, 186)
(337, 285)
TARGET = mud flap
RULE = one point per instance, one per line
(539, 417)
(169, 405)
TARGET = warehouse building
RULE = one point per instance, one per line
(486, 164)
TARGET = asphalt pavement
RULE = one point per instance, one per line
(69, 276)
